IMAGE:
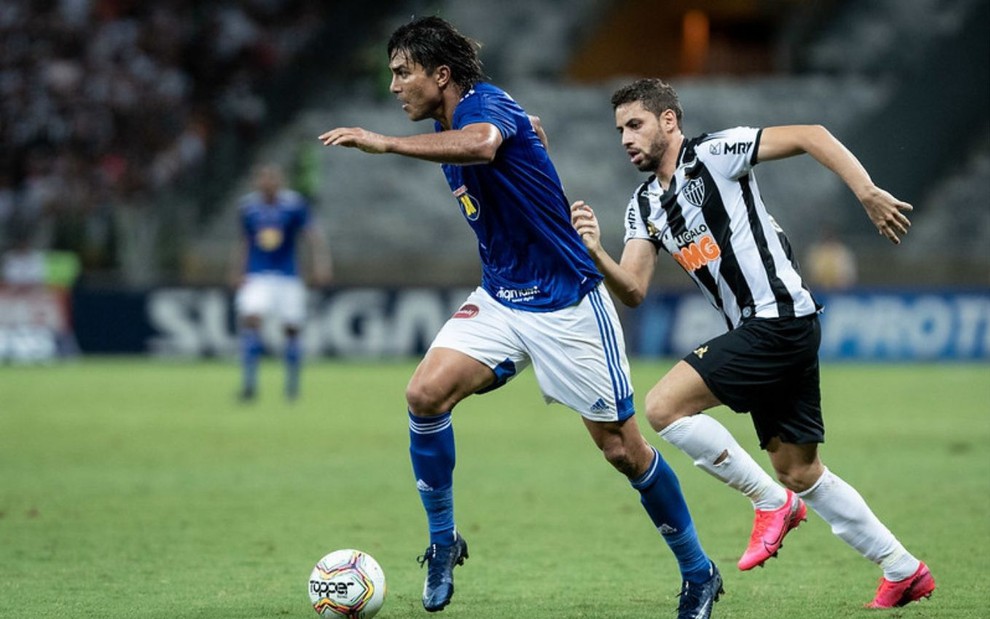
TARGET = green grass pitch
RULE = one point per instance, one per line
(139, 489)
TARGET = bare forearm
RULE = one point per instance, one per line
(817, 141)
(884, 210)
(624, 285)
(477, 143)
(445, 147)
(832, 154)
(629, 280)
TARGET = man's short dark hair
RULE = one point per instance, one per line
(655, 95)
(432, 42)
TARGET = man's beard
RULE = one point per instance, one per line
(651, 159)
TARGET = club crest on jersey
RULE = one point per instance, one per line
(469, 206)
(269, 239)
(694, 192)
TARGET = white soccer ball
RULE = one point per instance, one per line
(347, 584)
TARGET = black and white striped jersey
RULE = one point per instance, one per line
(713, 222)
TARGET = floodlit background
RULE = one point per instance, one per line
(128, 127)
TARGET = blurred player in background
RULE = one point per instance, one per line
(702, 205)
(269, 284)
(541, 300)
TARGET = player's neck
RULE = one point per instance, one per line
(668, 161)
(450, 99)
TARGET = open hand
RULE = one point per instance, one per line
(355, 137)
(887, 214)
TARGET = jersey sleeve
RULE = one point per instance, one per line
(732, 152)
(635, 226)
(484, 107)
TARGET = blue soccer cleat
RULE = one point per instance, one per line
(697, 599)
(439, 586)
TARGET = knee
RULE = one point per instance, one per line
(800, 477)
(660, 408)
(629, 458)
(620, 458)
(424, 399)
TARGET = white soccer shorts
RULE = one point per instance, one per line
(278, 296)
(578, 353)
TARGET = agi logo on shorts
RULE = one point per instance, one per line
(468, 310)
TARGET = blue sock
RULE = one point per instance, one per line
(431, 446)
(250, 353)
(660, 493)
(293, 358)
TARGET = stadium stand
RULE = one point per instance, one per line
(135, 124)
(117, 107)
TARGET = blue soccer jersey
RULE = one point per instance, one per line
(531, 257)
(272, 230)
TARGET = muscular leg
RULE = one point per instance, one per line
(443, 378)
(799, 468)
(293, 361)
(660, 493)
(672, 408)
(680, 393)
(250, 336)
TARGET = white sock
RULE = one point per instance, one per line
(705, 440)
(851, 520)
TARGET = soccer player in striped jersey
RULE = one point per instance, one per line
(266, 272)
(541, 301)
(702, 205)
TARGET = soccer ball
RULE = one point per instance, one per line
(347, 584)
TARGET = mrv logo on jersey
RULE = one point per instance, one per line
(726, 148)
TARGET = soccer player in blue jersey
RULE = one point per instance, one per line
(541, 301)
(272, 220)
(702, 205)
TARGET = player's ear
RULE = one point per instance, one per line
(668, 120)
(442, 75)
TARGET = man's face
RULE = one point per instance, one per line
(268, 180)
(642, 136)
(418, 91)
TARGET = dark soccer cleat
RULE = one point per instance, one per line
(901, 593)
(246, 394)
(697, 599)
(439, 586)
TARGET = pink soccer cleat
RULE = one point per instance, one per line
(769, 529)
(911, 589)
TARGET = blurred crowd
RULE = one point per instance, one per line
(106, 103)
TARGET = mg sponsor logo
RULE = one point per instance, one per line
(697, 248)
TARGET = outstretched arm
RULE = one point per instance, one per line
(475, 143)
(629, 279)
(885, 211)
(238, 263)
